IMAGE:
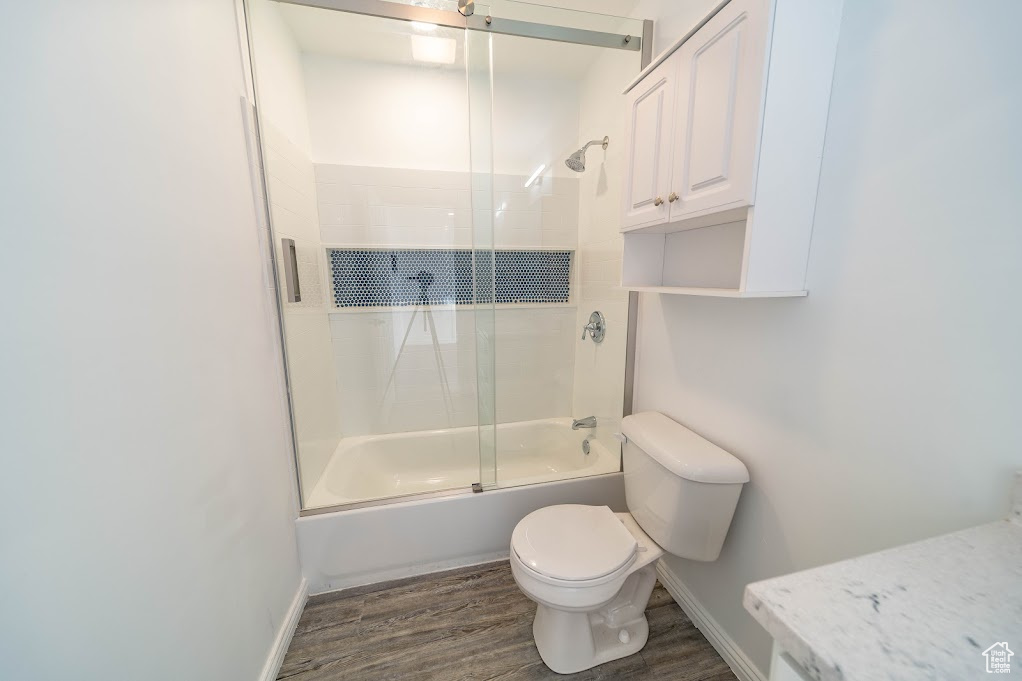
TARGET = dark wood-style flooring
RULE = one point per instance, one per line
(471, 623)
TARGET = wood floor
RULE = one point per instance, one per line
(474, 624)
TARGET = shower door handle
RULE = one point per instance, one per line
(294, 288)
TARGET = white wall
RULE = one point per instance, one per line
(883, 408)
(278, 66)
(417, 117)
(148, 513)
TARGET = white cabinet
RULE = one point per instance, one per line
(720, 73)
(726, 136)
(651, 107)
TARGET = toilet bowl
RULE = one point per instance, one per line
(591, 571)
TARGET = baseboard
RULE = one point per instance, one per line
(725, 646)
(385, 578)
(286, 632)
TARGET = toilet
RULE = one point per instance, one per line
(591, 571)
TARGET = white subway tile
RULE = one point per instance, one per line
(343, 215)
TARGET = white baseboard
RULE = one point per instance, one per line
(725, 646)
(287, 630)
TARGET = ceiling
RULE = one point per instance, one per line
(389, 41)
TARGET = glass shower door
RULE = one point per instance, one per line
(479, 77)
(435, 256)
(377, 162)
(556, 87)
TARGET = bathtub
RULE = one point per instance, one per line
(373, 467)
(443, 524)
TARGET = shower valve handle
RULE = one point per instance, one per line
(596, 328)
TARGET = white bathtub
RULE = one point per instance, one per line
(380, 466)
(416, 535)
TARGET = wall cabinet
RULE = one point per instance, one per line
(726, 133)
(649, 162)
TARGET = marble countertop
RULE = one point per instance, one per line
(925, 610)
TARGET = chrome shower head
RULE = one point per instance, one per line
(577, 161)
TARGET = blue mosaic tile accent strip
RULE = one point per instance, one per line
(399, 277)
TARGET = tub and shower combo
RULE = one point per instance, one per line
(446, 267)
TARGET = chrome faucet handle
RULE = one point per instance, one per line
(596, 328)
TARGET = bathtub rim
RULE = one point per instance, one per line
(351, 442)
(439, 494)
(390, 501)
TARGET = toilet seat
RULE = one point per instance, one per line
(574, 544)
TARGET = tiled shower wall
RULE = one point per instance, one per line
(600, 369)
(534, 362)
(387, 207)
(366, 206)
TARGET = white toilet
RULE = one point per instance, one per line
(591, 571)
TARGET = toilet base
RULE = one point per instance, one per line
(570, 642)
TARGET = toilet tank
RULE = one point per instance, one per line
(680, 488)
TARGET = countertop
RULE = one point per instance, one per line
(925, 610)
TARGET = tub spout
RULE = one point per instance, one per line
(587, 422)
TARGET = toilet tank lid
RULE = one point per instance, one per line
(681, 451)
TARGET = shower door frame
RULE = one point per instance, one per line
(474, 22)
(451, 19)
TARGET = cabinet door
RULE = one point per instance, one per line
(719, 103)
(650, 131)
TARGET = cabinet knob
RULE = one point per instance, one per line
(673, 197)
(658, 201)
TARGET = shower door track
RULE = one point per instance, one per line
(386, 501)
(474, 22)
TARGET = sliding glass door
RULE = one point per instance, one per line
(376, 157)
(441, 234)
